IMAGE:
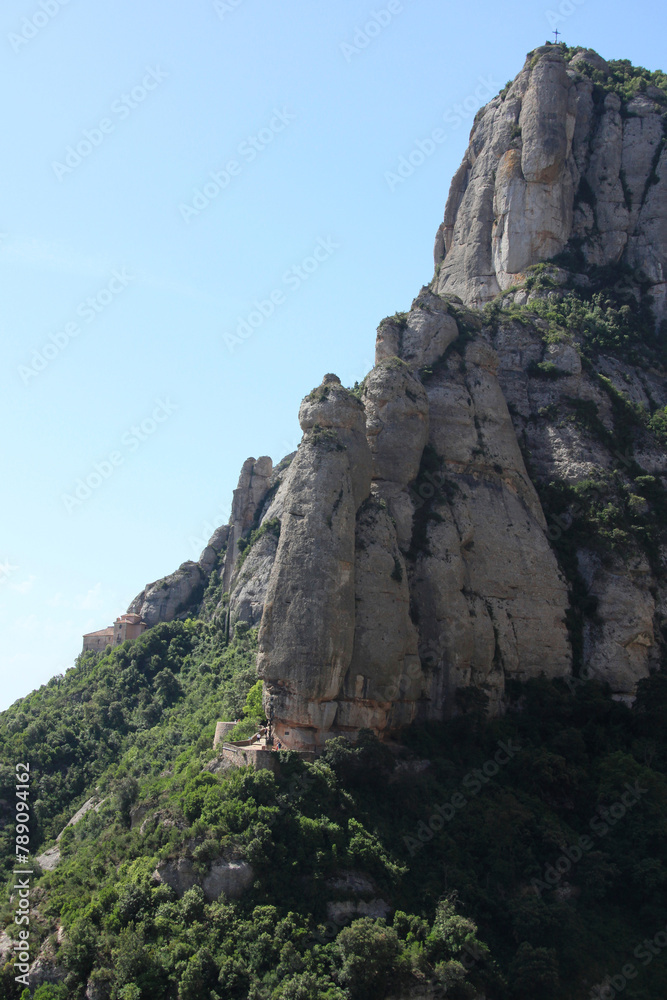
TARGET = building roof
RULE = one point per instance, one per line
(102, 631)
(131, 618)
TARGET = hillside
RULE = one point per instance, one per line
(466, 856)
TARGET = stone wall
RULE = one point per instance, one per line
(258, 757)
(221, 730)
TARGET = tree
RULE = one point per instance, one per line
(167, 686)
(253, 707)
(307, 986)
(367, 951)
(125, 794)
(200, 976)
(534, 972)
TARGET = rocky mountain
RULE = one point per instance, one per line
(489, 504)
(474, 540)
(560, 159)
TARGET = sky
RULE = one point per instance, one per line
(202, 214)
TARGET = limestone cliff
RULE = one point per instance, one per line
(559, 161)
(490, 504)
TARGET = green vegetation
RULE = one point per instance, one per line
(545, 369)
(400, 319)
(271, 527)
(606, 319)
(471, 856)
(146, 700)
(608, 510)
(625, 79)
(657, 424)
(326, 438)
(394, 364)
(253, 714)
(213, 594)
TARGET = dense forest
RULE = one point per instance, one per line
(512, 858)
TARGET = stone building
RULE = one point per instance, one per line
(98, 641)
(128, 626)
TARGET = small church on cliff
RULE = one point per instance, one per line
(125, 627)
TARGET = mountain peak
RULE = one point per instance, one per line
(569, 159)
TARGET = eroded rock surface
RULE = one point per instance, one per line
(405, 553)
(397, 411)
(549, 163)
(164, 599)
(227, 878)
(307, 632)
(384, 680)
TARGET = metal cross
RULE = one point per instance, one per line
(556, 33)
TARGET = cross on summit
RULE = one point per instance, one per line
(557, 33)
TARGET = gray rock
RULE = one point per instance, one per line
(216, 544)
(50, 859)
(180, 875)
(423, 337)
(357, 883)
(164, 599)
(590, 57)
(397, 429)
(228, 878)
(45, 968)
(252, 488)
(231, 878)
(384, 680)
(344, 911)
(516, 199)
(307, 632)
(6, 945)
(618, 644)
(252, 580)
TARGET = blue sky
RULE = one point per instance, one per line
(169, 172)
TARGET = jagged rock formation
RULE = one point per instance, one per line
(492, 600)
(307, 631)
(164, 599)
(412, 547)
(253, 484)
(620, 639)
(396, 408)
(555, 162)
(181, 593)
